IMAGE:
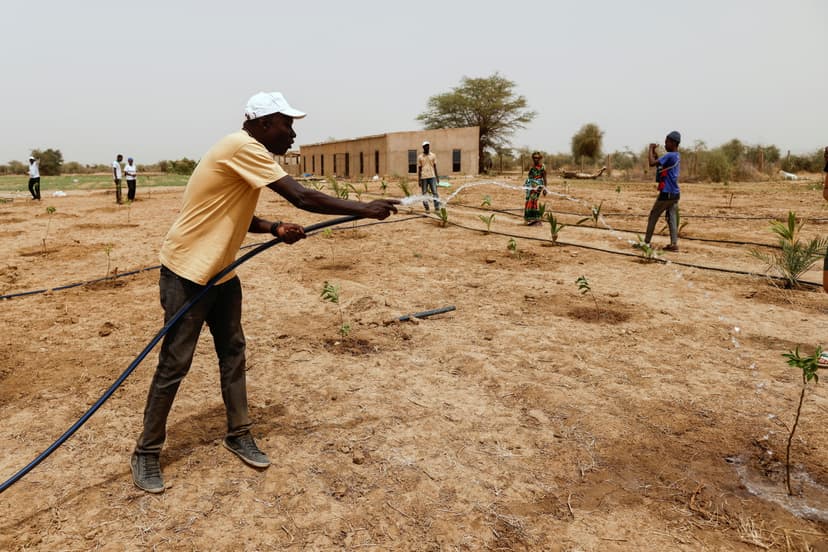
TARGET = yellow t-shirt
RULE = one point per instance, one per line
(427, 163)
(219, 202)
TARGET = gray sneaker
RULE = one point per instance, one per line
(245, 448)
(146, 472)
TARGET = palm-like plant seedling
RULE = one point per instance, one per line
(487, 221)
(594, 215)
(555, 227)
(648, 252)
(795, 256)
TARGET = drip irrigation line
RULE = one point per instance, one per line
(515, 213)
(425, 314)
(156, 267)
(154, 341)
(627, 254)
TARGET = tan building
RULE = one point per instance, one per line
(393, 154)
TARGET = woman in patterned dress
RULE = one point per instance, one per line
(535, 185)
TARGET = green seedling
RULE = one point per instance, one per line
(618, 190)
(384, 186)
(403, 184)
(49, 211)
(487, 201)
(317, 185)
(554, 226)
(512, 246)
(443, 216)
(585, 289)
(795, 257)
(594, 216)
(356, 192)
(342, 191)
(487, 221)
(330, 292)
(809, 366)
(648, 252)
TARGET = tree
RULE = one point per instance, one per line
(50, 161)
(587, 142)
(488, 103)
(733, 150)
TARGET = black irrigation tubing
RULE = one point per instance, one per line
(156, 267)
(154, 341)
(645, 215)
(627, 254)
(515, 213)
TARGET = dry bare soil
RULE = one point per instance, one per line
(649, 414)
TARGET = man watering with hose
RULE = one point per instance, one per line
(217, 213)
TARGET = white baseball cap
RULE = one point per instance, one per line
(31, 158)
(267, 103)
(426, 143)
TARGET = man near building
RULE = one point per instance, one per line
(131, 172)
(217, 212)
(34, 178)
(427, 175)
(116, 176)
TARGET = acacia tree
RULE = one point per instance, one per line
(488, 103)
(50, 161)
(587, 142)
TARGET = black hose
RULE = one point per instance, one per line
(425, 314)
(154, 341)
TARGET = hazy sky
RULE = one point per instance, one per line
(164, 80)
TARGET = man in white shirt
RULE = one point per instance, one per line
(34, 178)
(116, 176)
(131, 172)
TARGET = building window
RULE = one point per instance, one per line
(376, 162)
(304, 163)
(313, 164)
(347, 165)
(334, 156)
(412, 161)
(322, 164)
(361, 163)
(455, 160)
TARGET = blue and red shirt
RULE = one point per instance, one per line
(668, 172)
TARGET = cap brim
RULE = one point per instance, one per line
(295, 113)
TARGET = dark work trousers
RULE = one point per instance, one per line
(428, 186)
(117, 190)
(220, 308)
(131, 189)
(34, 187)
(669, 203)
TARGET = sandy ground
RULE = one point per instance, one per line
(649, 414)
